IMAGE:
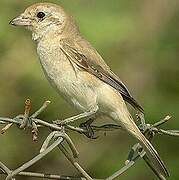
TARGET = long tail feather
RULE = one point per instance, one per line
(153, 156)
(127, 123)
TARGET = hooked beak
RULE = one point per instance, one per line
(21, 21)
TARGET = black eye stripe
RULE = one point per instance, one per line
(40, 15)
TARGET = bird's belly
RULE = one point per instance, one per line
(77, 92)
(77, 86)
(69, 84)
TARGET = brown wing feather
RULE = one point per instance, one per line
(100, 70)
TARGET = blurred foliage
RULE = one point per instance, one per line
(138, 39)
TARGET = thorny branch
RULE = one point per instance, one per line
(58, 135)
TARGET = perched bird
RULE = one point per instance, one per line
(76, 70)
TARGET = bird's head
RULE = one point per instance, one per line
(42, 18)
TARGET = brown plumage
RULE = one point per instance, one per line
(75, 52)
(76, 70)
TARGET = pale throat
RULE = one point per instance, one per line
(49, 32)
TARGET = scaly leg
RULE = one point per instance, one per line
(77, 117)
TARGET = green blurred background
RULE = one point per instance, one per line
(139, 40)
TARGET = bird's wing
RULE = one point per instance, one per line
(85, 56)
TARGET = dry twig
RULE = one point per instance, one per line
(58, 135)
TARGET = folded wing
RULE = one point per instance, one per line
(88, 59)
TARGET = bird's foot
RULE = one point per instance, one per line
(89, 132)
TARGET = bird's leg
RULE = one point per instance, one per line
(89, 113)
(87, 126)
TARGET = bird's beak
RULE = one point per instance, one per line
(21, 21)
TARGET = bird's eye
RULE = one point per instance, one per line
(40, 15)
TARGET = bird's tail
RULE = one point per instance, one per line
(153, 155)
(127, 123)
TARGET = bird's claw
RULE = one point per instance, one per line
(89, 130)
